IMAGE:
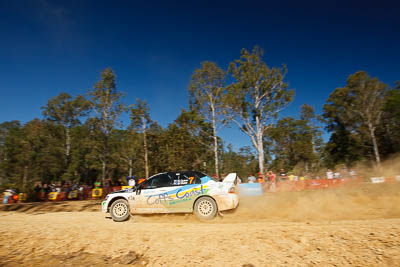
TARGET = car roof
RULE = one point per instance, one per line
(185, 171)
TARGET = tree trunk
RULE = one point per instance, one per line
(25, 177)
(146, 161)
(260, 147)
(215, 144)
(103, 170)
(216, 156)
(130, 167)
(375, 144)
(105, 152)
(67, 144)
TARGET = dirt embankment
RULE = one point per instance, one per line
(354, 226)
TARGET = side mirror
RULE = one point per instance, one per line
(138, 189)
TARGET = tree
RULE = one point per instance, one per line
(388, 132)
(256, 97)
(140, 120)
(65, 111)
(106, 102)
(243, 162)
(10, 146)
(130, 149)
(343, 147)
(294, 143)
(206, 88)
(358, 106)
(198, 135)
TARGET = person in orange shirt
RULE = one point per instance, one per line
(260, 178)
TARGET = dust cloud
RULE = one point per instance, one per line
(388, 168)
(367, 201)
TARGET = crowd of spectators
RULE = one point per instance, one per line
(272, 178)
(41, 190)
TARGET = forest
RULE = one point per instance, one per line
(81, 138)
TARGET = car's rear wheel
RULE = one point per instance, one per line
(120, 210)
(205, 208)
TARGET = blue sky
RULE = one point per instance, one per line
(48, 47)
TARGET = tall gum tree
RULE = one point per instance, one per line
(206, 88)
(358, 106)
(106, 103)
(255, 98)
(140, 121)
(66, 111)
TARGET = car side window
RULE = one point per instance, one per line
(161, 180)
(189, 178)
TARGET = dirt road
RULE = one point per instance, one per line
(358, 227)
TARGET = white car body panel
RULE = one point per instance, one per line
(177, 199)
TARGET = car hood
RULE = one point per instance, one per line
(129, 190)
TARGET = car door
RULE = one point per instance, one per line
(152, 195)
(183, 196)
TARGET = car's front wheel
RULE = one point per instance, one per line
(120, 210)
(205, 208)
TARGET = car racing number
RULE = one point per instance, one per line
(184, 181)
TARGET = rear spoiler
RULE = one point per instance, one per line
(232, 178)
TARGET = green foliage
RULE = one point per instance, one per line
(295, 142)
(106, 101)
(357, 108)
(65, 110)
(242, 162)
(388, 131)
(343, 147)
(259, 91)
(206, 88)
(140, 116)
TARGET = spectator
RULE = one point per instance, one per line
(282, 175)
(260, 178)
(97, 184)
(329, 174)
(37, 189)
(80, 192)
(119, 182)
(131, 181)
(46, 190)
(107, 185)
(7, 195)
(67, 189)
(251, 179)
(272, 181)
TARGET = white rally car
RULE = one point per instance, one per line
(175, 192)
